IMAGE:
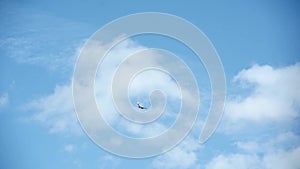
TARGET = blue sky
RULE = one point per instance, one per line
(257, 42)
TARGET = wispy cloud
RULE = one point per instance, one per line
(278, 152)
(110, 161)
(39, 38)
(4, 100)
(185, 155)
(56, 111)
(241, 161)
(273, 160)
(69, 148)
(287, 140)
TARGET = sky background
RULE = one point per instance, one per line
(258, 44)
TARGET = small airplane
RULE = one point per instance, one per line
(140, 106)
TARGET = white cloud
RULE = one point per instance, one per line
(275, 95)
(250, 146)
(278, 152)
(140, 87)
(109, 161)
(69, 148)
(273, 160)
(285, 140)
(270, 98)
(181, 157)
(56, 111)
(151, 80)
(240, 161)
(4, 100)
(282, 159)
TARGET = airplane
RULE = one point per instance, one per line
(140, 106)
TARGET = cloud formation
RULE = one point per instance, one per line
(278, 152)
(274, 95)
(268, 102)
(56, 111)
(267, 95)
